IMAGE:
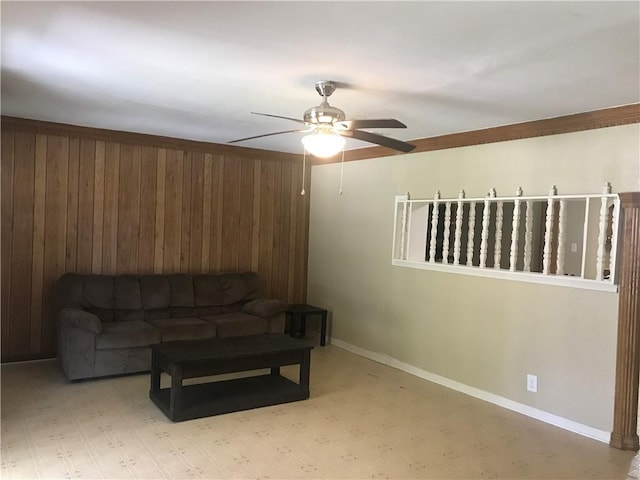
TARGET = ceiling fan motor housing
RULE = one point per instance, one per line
(323, 114)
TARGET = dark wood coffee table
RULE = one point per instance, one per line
(200, 358)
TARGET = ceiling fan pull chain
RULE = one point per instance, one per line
(304, 162)
(341, 171)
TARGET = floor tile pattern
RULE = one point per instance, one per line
(364, 420)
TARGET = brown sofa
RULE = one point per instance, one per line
(106, 323)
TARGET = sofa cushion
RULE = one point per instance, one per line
(233, 308)
(157, 313)
(184, 328)
(127, 334)
(233, 288)
(239, 324)
(181, 286)
(68, 291)
(264, 307)
(104, 314)
(208, 311)
(252, 285)
(98, 291)
(127, 292)
(128, 315)
(207, 290)
(155, 291)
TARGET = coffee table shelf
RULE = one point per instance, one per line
(216, 398)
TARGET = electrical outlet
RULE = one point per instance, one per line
(532, 383)
(574, 247)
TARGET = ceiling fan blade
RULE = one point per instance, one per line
(280, 116)
(378, 139)
(371, 123)
(265, 135)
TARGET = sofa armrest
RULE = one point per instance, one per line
(75, 318)
(264, 307)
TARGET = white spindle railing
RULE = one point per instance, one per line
(497, 250)
(434, 227)
(602, 232)
(447, 232)
(515, 231)
(457, 243)
(528, 236)
(544, 255)
(486, 218)
(548, 230)
(471, 233)
(562, 237)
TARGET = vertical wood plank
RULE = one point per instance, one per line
(266, 224)
(231, 214)
(158, 261)
(98, 208)
(255, 232)
(284, 245)
(22, 243)
(197, 196)
(6, 174)
(173, 211)
(206, 212)
(55, 231)
(86, 185)
(246, 215)
(276, 243)
(37, 269)
(184, 225)
(148, 177)
(111, 180)
(71, 261)
(302, 233)
(128, 208)
(217, 182)
(293, 230)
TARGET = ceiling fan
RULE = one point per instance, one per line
(327, 127)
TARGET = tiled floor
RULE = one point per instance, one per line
(363, 420)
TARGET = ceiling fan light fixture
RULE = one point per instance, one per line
(323, 144)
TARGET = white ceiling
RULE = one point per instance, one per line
(196, 70)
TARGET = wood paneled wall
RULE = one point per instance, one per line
(78, 202)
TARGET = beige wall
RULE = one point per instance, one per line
(483, 332)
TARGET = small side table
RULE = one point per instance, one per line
(300, 312)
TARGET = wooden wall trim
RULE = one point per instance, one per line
(608, 117)
(118, 136)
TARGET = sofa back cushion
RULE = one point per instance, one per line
(68, 292)
(155, 291)
(224, 290)
(128, 300)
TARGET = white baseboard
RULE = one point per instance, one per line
(541, 415)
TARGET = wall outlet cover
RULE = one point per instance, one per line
(532, 383)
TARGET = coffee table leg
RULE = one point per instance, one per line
(275, 370)
(305, 367)
(323, 329)
(176, 392)
(155, 376)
